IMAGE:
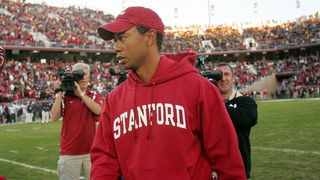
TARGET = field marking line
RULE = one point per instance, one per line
(286, 100)
(28, 166)
(286, 150)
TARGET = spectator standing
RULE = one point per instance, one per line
(45, 114)
(1, 114)
(6, 113)
(12, 112)
(30, 112)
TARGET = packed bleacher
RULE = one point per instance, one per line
(23, 83)
(21, 80)
(25, 24)
(305, 82)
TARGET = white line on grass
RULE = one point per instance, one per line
(280, 100)
(14, 151)
(286, 150)
(28, 166)
(11, 130)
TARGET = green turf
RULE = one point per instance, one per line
(33, 144)
(292, 125)
(286, 125)
(14, 172)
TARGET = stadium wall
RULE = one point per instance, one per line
(268, 83)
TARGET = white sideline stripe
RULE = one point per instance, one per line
(285, 100)
(286, 150)
(28, 166)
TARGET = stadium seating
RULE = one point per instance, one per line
(40, 25)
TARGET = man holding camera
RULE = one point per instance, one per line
(242, 110)
(80, 111)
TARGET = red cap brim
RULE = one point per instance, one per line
(106, 31)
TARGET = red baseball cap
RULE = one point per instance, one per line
(129, 18)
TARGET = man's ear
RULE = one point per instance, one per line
(151, 37)
(233, 78)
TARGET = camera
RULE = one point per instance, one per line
(68, 79)
(213, 76)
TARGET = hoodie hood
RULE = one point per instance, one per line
(170, 67)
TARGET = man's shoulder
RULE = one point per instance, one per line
(244, 100)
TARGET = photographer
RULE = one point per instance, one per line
(242, 110)
(80, 109)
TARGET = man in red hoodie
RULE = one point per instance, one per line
(165, 121)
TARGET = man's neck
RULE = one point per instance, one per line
(146, 72)
(226, 96)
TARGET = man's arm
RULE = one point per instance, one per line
(92, 105)
(105, 164)
(219, 136)
(56, 107)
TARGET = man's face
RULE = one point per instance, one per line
(131, 48)
(84, 82)
(225, 85)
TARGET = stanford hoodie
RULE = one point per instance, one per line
(175, 127)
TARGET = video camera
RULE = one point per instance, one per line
(2, 58)
(213, 76)
(68, 79)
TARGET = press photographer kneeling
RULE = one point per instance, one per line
(79, 108)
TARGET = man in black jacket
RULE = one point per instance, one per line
(242, 110)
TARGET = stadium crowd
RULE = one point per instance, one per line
(305, 81)
(25, 24)
(24, 83)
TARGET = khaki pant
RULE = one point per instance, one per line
(69, 166)
(45, 115)
(29, 117)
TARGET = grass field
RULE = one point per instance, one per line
(285, 144)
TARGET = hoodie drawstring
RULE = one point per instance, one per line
(134, 105)
(152, 115)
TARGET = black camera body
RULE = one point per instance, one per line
(68, 79)
(213, 76)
